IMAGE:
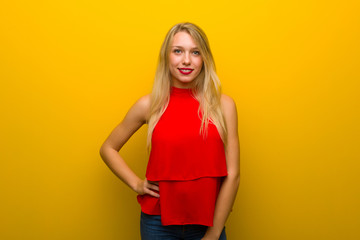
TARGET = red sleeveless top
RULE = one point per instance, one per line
(188, 166)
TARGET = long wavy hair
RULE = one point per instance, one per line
(206, 87)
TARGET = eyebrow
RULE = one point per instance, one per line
(182, 47)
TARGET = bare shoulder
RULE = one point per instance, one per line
(142, 107)
(228, 105)
(144, 102)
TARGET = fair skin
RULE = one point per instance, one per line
(185, 60)
(139, 115)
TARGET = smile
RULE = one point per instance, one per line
(185, 71)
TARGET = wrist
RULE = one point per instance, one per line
(212, 233)
(135, 185)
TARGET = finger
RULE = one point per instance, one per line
(154, 187)
(154, 194)
(153, 182)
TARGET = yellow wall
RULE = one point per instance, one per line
(70, 70)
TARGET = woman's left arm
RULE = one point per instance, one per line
(230, 185)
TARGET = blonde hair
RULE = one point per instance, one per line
(206, 87)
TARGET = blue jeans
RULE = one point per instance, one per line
(151, 229)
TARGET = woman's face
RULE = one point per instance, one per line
(185, 60)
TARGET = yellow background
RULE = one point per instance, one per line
(70, 70)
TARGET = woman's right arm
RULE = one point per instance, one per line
(109, 151)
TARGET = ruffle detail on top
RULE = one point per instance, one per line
(179, 152)
(188, 168)
(184, 202)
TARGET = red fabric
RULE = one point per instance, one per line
(189, 168)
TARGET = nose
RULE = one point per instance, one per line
(186, 59)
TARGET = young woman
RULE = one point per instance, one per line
(193, 171)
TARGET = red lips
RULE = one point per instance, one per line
(186, 72)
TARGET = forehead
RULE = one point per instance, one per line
(183, 39)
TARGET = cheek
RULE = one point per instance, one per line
(200, 63)
(173, 60)
(172, 70)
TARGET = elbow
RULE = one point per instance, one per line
(106, 152)
(237, 180)
(234, 178)
(102, 151)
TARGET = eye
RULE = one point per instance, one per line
(196, 52)
(177, 51)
